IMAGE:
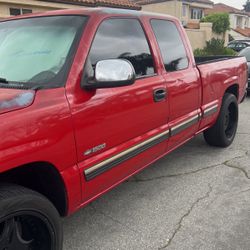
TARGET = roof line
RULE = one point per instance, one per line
(124, 4)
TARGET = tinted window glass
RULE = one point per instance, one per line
(122, 38)
(171, 46)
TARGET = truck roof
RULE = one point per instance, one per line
(103, 11)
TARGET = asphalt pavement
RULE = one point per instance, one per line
(197, 197)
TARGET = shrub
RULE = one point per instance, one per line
(200, 52)
(220, 21)
(214, 47)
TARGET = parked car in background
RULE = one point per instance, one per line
(246, 52)
(238, 45)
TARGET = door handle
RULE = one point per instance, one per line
(160, 95)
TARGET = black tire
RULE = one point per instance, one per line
(222, 133)
(28, 220)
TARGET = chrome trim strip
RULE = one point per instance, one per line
(126, 154)
(184, 125)
(117, 159)
(209, 111)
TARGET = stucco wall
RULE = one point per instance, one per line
(173, 8)
(198, 37)
(36, 6)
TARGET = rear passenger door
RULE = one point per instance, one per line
(182, 81)
(120, 130)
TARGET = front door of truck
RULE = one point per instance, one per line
(182, 81)
(119, 130)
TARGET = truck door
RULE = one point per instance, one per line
(182, 80)
(119, 130)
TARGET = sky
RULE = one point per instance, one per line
(235, 3)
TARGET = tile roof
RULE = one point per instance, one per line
(245, 32)
(126, 4)
(145, 2)
(192, 26)
(221, 7)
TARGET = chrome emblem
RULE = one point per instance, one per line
(95, 149)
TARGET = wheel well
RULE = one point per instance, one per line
(234, 89)
(43, 178)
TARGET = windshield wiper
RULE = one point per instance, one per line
(3, 80)
(4, 83)
(19, 85)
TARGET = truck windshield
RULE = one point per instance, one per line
(39, 50)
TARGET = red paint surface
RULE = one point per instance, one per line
(62, 123)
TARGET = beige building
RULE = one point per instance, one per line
(239, 20)
(19, 7)
(188, 11)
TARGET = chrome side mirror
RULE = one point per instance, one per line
(112, 73)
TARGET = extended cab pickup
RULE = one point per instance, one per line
(90, 97)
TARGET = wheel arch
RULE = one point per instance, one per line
(233, 89)
(42, 177)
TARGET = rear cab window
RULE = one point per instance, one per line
(121, 38)
(172, 49)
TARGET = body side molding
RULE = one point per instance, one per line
(125, 155)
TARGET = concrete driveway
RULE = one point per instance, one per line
(197, 197)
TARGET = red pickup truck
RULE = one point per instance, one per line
(89, 98)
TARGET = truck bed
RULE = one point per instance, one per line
(218, 72)
(211, 59)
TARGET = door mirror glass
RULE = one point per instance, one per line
(112, 73)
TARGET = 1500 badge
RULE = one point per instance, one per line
(95, 149)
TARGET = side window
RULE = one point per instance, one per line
(171, 46)
(241, 45)
(232, 45)
(125, 39)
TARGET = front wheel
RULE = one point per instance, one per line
(222, 133)
(28, 221)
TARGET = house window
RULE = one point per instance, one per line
(239, 22)
(184, 10)
(196, 13)
(19, 11)
(26, 11)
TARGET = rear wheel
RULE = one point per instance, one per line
(28, 221)
(223, 131)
